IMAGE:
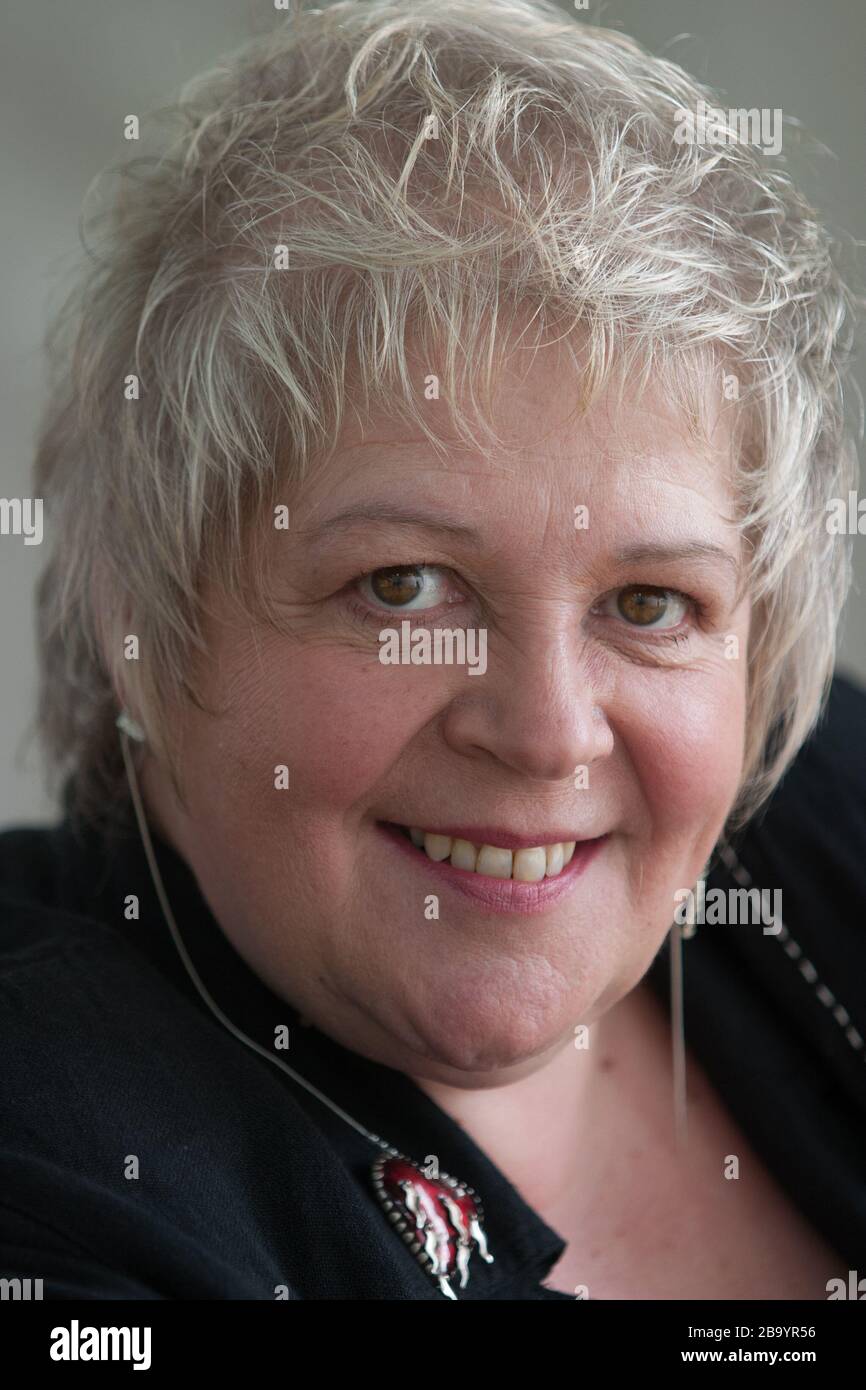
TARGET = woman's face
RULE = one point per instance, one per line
(609, 709)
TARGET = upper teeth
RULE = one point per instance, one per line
(525, 865)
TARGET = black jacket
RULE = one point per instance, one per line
(247, 1187)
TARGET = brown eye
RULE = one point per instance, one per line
(397, 585)
(643, 607)
(410, 587)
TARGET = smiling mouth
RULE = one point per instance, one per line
(525, 865)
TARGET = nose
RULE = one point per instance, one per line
(536, 710)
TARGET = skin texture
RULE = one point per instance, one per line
(303, 882)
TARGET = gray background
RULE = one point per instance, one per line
(70, 70)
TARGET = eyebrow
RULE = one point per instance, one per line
(388, 513)
(685, 550)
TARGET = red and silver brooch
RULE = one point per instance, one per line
(439, 1218)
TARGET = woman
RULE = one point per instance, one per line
(440, 582)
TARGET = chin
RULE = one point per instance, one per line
(487, 1038)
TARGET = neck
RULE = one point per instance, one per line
(554, 1132)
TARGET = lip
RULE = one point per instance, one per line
(502, 839)
(499, 894)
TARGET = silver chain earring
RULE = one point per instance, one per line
(680, 932)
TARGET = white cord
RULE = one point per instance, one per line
(132, 778)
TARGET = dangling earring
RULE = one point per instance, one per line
(680, 932)
(678, 1035)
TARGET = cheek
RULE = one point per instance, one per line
(685, 740)
(337, 719)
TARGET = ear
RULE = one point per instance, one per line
(108, 621)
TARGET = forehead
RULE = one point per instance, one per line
(631, 457)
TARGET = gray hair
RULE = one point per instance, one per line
(444, 167)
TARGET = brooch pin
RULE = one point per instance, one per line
(439, 1218)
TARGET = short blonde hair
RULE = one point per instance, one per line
(439, 166)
